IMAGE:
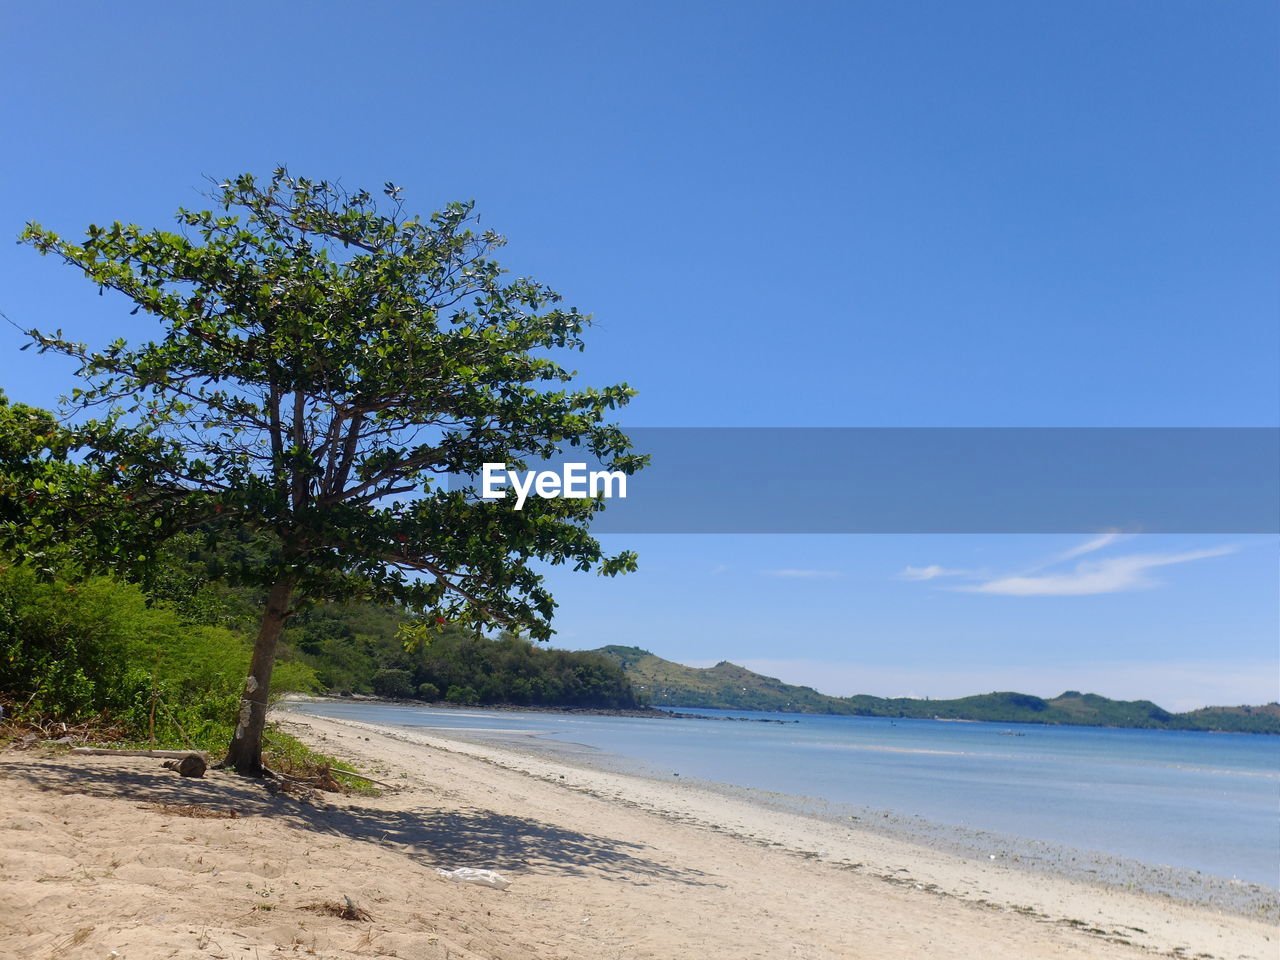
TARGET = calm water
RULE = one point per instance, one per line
(1208, 802)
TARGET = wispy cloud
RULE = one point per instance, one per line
(1113, 575)
(1089, 577)
(1097, 543)
(931, 572)
(793, 574)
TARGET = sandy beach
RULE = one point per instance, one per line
(99, 858)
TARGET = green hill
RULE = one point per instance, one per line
(1243, 719)
(728, 686)
(1007, 707)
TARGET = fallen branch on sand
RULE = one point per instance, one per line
(196, 810)
(361, 776)
(107, 752)
(325, 781)
(182, 754)
(347, 910)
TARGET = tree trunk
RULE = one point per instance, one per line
(245, 754)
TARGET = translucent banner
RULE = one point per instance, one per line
(930, 480)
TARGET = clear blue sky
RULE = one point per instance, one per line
(854, 213)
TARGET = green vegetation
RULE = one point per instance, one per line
(360, 648)
(730, 687)
(156, 653)
(1071, 707)
(143, 669)
(168, 661)
(95, 649)
(320, 361)
(726, 685)
(1240, 719)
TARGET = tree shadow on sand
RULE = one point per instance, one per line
(446, 838)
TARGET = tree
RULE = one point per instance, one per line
(393, 683)
(325, 360)
(51, 480)
(33, 449)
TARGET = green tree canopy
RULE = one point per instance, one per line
(323, 361)
(51, 481)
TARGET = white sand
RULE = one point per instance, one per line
(602, 865)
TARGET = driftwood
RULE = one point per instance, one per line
(361, 776)
(192, 765)
(182, 754)
(106, 752)
(288, 778)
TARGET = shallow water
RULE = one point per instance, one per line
(1197, 801)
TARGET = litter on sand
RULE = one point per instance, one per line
(488, 878)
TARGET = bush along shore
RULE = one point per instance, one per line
(100, 659)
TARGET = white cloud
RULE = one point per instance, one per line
(793, 574)
(1113, 575)
(930, 572)
(1097, 543)
(1090, 577)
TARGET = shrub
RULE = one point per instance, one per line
(456, 694)
(428, 691)
(71, 650)
(397, 684)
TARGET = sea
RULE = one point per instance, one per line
(1197, 802)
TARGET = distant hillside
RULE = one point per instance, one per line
(1243, 719)
(1084, 709)
(728, 686)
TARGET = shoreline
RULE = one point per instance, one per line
(639, 713)
(1013, 830)
(659, 713)
(1036, 857)
(645, 713)
(1117, 909)
(602, 865)
(814, 822)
